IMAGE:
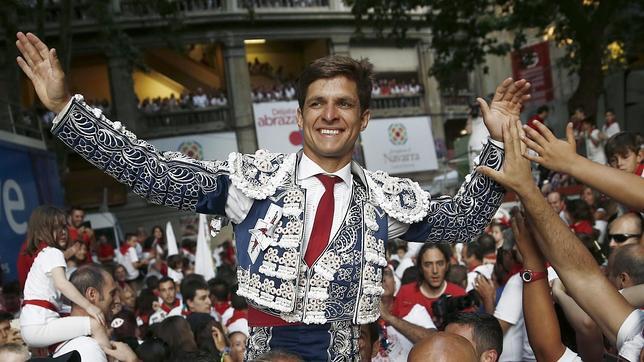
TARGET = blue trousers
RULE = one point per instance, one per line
(336, 341)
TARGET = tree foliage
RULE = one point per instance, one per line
(595, 34)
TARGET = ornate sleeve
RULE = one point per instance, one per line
(164, 178)
(464, 216)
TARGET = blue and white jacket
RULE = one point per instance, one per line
(345, 282)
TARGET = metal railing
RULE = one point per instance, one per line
(147, 8)
(396, 101)
(272, 4)
(25, 122)
(186, 121)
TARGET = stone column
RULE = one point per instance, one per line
(123, 106)
(238, 91)
(230, 6)
(432, 98)
(340, 45)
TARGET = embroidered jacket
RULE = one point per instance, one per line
(345, 282)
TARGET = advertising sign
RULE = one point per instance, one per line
(28, 178)
(533, 64)
(206, 146)
(399, 145)
(276, 126)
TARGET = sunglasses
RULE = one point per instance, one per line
(620, 238)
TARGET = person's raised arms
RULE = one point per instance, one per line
(561, 156)
(506, 105)
(574, 264)
(43, 68)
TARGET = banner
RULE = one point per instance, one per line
(533, 64)
(399, 145)
(276, 126)
(204, 146)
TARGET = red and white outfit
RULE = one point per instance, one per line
(398, 345)
(237, 322)
(127, 256)
(410, 295)
(40, 323)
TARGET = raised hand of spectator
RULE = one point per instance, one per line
(219, 339)
(515, 173)
(43, 68)
(487, 291)
(552, 153)
(505, 107)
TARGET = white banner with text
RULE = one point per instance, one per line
(276, 126)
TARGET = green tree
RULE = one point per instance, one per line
(596, 34)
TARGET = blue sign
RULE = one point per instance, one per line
(28, 179)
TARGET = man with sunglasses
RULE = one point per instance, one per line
(625, 230)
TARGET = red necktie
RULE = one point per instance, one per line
(323, 220)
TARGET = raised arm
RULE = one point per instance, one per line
(539, 313)
(560, 155)
(168, 178)
(464, 216)
(573, 262)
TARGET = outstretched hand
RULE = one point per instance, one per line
(505, 107)
(43, 68)
(553, 153)
(515, 173)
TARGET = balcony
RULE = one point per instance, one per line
(24, 122)
(457, 103)
(185, 121)
(398, 105)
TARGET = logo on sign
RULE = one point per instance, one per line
(192, 149)
(397, 134)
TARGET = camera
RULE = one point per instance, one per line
(447, 304)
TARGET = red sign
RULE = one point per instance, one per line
(533, 64)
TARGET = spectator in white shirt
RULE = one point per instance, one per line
(611, 127)
(200, 99)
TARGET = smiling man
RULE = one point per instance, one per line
(310, 227)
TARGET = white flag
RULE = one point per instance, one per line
(171, 239)
(203, 257)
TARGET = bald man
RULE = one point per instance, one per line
(443, 347)
(625, 230)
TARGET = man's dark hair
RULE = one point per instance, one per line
(5, 316)
(579, 210)
(190, 284)
(622, 142)
(579, 108)
(359, 71)
(543, 108)
(219, 288)
(474, 249)
(443, 248)
(629, 259)
(486, 330)
(174, 260)
(152, 282)
(609, 110)
(165, 280)
(487, 243)
(457, 274)
(88, 276)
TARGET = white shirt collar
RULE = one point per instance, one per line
(307, 168)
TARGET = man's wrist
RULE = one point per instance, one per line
(60, 106)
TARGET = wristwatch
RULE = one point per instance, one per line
(530, 276)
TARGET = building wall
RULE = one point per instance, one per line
(88, 76)
(154, 84)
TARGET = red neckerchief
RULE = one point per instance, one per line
(168, 309)
(145, 318)
(582, 227)
(221, 307)
(237, 315)
(185, 312)
(122, 284)
(124, 248)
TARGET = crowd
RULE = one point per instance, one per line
(454, 296)
(198, 99)
(145, 304)
(395, 87)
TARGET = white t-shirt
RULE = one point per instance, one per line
(485, 270)
(630, 337)
(128, 261)
(87, 347)
(399, 345)
(611, 130)
(569, 356)
(595, 152)
(516, 346)
(40, 285)
(404, 264)
(510, 309)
